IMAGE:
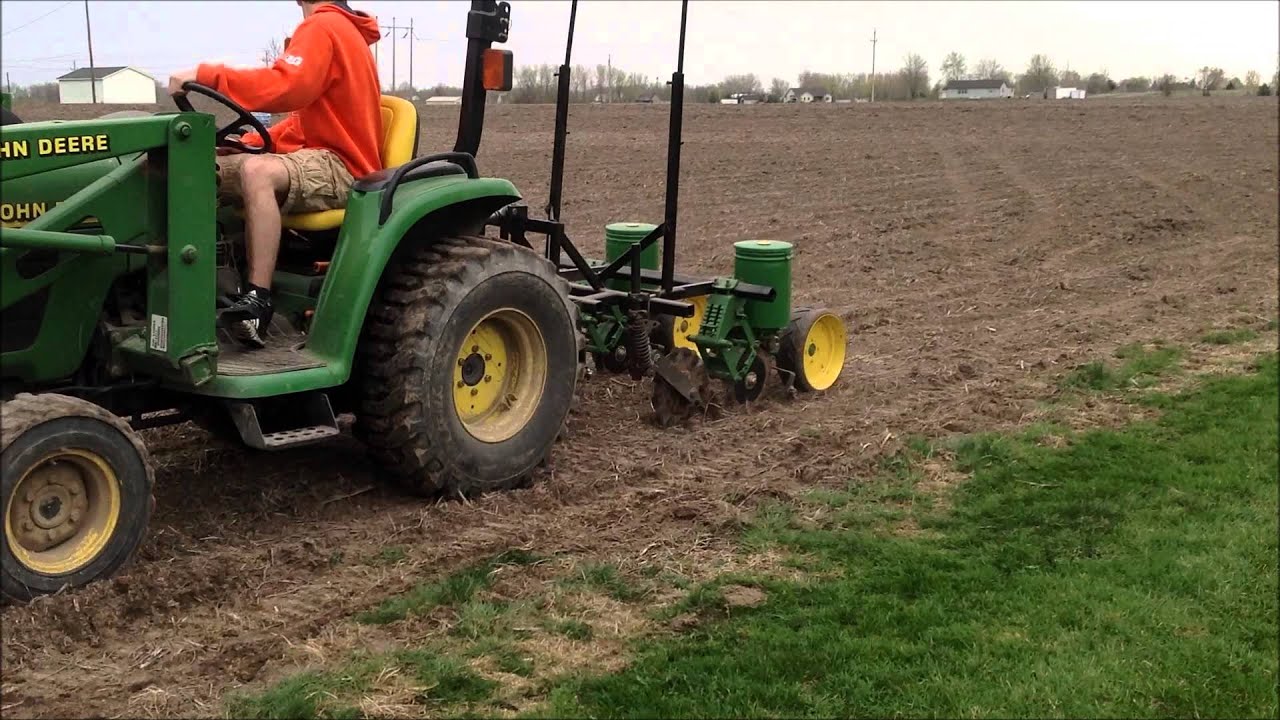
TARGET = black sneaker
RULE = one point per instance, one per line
(248, 317)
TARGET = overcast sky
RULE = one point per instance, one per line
(42, 39)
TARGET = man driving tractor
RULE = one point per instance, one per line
(327, 79)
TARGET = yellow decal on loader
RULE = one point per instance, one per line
(14, 215)
(14, 150)
(73, 145)
(20, 213)
(47, 147)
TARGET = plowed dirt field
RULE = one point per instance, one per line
(978, 252)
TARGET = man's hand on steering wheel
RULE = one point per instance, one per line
(226, 137)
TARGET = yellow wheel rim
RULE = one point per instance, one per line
(62, 512)
(499, 374)
(682, 328)
(823, 351)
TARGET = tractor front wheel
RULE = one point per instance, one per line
(469, 366)
(76, 489)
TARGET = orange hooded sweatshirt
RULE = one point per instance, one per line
(327, 79)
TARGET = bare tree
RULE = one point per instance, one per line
(602, 80)
(915, 74)
(1209, 78)
(1135, 84)
(1040, 75)
(748, 83)
(1099, 83)
(270, 53)
(953, 66)
(989, 69)
(1165, 84)
(1251, 80)
(525, 84)
(778, 89)
(1069, 78)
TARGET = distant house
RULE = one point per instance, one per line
(975, 90)
(652, 98)
(746, 98)
(807, 95)
(443, 100)
(112, 85)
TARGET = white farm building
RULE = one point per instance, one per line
(975, 90)
(114, 85)
(1064, 93)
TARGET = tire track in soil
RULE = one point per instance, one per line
(206, 615)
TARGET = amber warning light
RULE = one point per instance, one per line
(497, 69)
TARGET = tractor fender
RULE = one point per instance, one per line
(424, 211)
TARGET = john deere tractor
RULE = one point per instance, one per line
(457, 353)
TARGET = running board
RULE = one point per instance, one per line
(284, 422)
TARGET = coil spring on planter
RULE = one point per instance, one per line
(639, 349)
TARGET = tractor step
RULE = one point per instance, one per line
(284, 422)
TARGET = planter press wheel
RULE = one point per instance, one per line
(813, 347)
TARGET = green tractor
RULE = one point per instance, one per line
(458, 353)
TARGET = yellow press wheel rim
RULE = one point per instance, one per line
(682, 328)
(62, 512)
(499, 373)
(823, 351)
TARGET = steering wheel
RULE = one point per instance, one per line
(243, 119)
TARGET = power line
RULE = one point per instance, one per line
(33, 22)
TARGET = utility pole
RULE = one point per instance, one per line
(392, 29)
(93, 82)
(873, 65)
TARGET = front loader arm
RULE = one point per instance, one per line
(154, 211)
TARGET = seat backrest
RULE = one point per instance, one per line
(399, 131)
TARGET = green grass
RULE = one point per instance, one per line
(572, 629)
(1131, 573)
(304, 695)
(606, 579)
(1229, 337)
(446, 680)
(1141, 368)
(454, 589)
(388, 556)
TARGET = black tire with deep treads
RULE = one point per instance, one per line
(32, 427)
(428, 304)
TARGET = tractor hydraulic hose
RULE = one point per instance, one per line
(46, 240)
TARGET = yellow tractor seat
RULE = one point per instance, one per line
(399, 143)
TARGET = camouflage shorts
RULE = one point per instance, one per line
(317, 180)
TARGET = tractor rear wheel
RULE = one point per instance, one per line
(76, 490)
(470, 362)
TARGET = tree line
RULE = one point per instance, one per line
(911, 81)
(538, 83)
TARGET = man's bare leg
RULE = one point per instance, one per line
(264, 181)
